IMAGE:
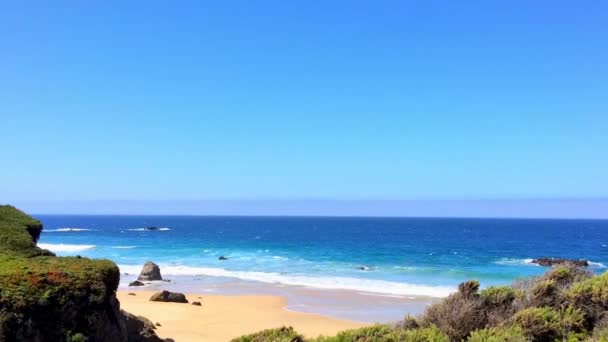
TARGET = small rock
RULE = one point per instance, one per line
(166, 296)
(132, 294)
(136, 283)
(222, 258)
(196, 303)
(158, 324)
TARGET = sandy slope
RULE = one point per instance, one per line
(221, 318)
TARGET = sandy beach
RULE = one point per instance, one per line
(221, 317)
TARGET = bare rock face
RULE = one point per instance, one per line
(559, 261)
(150, 272)
(166, 296)
(140, 329)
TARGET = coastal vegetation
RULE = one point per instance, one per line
(49, 298)
(567, 303)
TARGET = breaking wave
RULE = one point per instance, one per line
(330, 283)
(60, 247)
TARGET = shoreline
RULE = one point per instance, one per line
(342, 304)
(223, 317)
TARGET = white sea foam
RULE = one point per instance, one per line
(331, 283)
(509, 261)
(60, 247)
(63, 230)
(163, 229)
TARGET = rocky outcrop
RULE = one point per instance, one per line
(166, 296)
(559, 261)
(222, 258)
(48, 298)
(136, 283)
(140, 329)
(150, 272)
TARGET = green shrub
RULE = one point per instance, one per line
(430, 334)
(283, 334)
(498, 295)
(386, 333)
(374, 333)
(539, 324)
(591, 296)
(499, 334)
(599, 335)
(459, 314)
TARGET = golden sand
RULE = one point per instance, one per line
(221, 318)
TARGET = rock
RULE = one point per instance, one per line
(559, 261)
(166, 296)
(132, 294)
(196, 303)
(136, 283)
(158, 324)
(151, 228)
(363, 268)
(140, 329)
(150, 272)
(222, 258)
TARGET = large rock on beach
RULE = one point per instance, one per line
(150, 272)
(140, 329)
(136, 283)
(559, 261)
(166, 296)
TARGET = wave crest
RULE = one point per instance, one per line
(64, 230)
(328, 283)
(60, 247)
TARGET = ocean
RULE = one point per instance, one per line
(394, 258)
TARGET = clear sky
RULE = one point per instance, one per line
(292, 100)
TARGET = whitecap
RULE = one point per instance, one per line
(319, 282)
(163, 229)
(64, 230)
(597, 264)
(513, 261)
(64, 247)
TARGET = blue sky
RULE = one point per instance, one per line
(285, 100)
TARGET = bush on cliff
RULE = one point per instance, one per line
(49, 298)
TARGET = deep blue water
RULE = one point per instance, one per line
(407, 256)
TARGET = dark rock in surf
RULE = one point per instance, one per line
(136, 283)
(222, 258)
(150, 272)
(559, 261)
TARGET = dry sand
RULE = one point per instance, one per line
(221, 318)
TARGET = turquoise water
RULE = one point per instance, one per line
(401, 256)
